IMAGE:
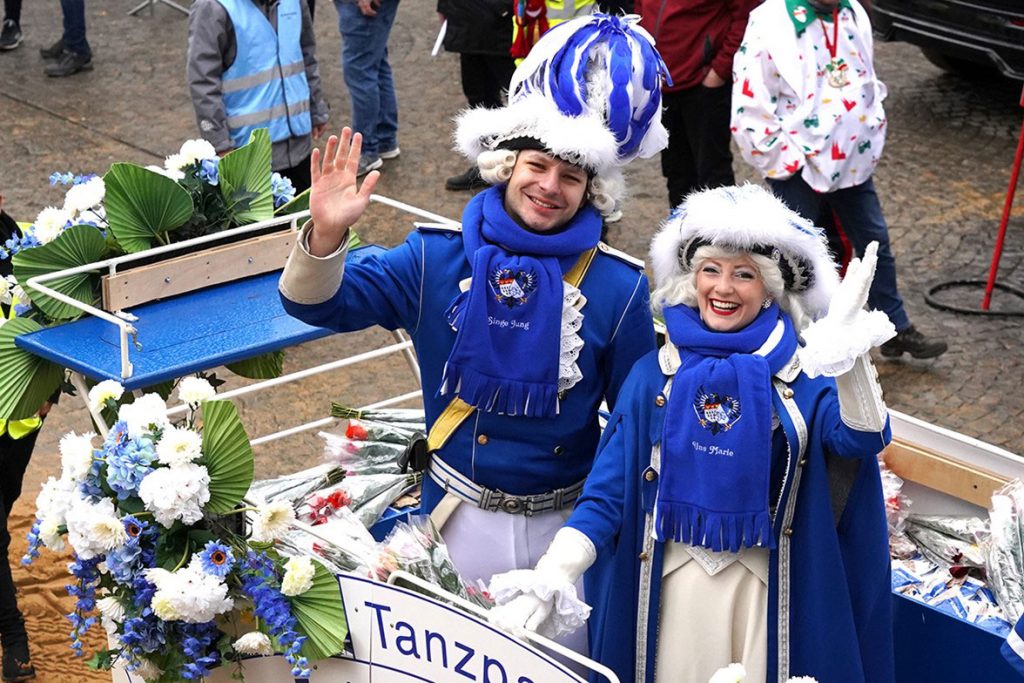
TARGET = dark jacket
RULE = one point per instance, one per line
(477, 27)
(694, 36)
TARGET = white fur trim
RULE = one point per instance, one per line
(582, 140)
(741, 218)
(832, 348)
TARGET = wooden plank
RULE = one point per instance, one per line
(195, 271)
(942, 472)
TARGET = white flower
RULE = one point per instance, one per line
(76, 455)
(50, 222)
(7, 285)
(147, 670)
(194, 150)
(195, 390)
(50, 535)
(178, 492)
(19, 295)
(734, 673)
(84, 196)
(54, 500)
(172, 174)
(272, 520)
(298, 576)
(111, 613)
(802, 679)
(189, 594)
(253, 643)
(175, 162)
(104, 391)
(94, 528)
(178, 446)
(141, 415)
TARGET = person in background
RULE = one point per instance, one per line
(697, 39)
(17, 440)
(71, 54)
(480, 31)
(365, 26)
(816, 134)
(10, 30)
(252, 64)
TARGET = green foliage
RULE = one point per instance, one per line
(227, 456)
(244, 178)
(76, 246)
(26, 380)
(143, 206)
(266, 366)
(321, 615)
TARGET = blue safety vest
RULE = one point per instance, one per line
(266, 85)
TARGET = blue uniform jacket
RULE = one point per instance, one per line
(829, 607)
(410, 287)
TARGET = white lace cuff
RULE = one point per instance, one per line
(832, 348)
(568, 612)
(571, 343)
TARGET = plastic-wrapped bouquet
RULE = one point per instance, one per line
(129, 209)
(152, 511)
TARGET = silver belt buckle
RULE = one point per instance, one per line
(512, 505)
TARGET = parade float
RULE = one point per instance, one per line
(196, 571)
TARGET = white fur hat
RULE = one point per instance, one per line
(748, 218)
(589, 92)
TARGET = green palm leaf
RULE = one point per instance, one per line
(26, 380)
(299, 202)
(228, 456)
(321, 615)
(245, 180)
(142, 205)
(76, 246)
(265, 366)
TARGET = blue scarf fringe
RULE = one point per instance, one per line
(498, 395)
(719, 531)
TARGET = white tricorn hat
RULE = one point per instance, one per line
(748, 218)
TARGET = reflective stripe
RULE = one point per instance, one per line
(569, 10)
(256, 118)
(265, 76)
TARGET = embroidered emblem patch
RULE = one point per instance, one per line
(800, 14)
(715, 412)
(513, 287)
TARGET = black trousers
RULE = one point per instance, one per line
(14, 457)
(698, 154)
(299, 175)
(485, 78)
(12, 10)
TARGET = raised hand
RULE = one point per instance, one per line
(336, 201)
(852, 293)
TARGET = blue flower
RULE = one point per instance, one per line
(91, 486)
(84, 592)
(58, 178)
(34, 541)
(217, 559)
(282, 188)
(127, 466)
(80, 179)
(259, 582)
(21, 309)
(208, 171)
(144, 634)
(199, 646)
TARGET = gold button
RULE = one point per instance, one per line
(787, 393)
(803, 461)
(559, 450)
(788, 531)
(482, 439)
(644, 556)
(659, 401)
(650, 475)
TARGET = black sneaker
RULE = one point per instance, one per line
(913, 342)
(69, 64)
(54, 51)
(465, 181)
(17, 663)
(10, 35)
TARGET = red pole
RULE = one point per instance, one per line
(1001, 237)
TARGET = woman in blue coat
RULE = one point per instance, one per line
(734, 512)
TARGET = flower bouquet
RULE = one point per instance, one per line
(154, 515)
(130, 209)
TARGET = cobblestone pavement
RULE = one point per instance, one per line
(942, 181)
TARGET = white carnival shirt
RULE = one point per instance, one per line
(787, 117)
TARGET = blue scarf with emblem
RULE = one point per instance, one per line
(716, 444)
(505, 357)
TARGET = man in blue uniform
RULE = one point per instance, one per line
(523, 321)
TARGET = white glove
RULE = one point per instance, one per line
(544, 599)
(847, 332)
